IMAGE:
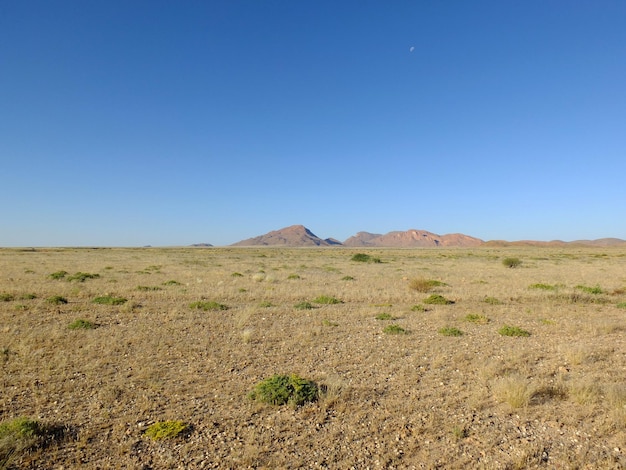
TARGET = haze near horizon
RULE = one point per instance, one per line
(164, 123)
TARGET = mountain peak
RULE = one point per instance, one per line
(294, 235)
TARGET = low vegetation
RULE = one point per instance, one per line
(364, 258)
(17, 436)
(166, 430)
(508, 330)
(81, 324)
(450, 331)
(285, 389)
(109, 300)
(394, 329)
(424, 285)
(207, 305)
(436, 299)
(512, 262)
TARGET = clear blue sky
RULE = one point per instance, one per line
(176, 122)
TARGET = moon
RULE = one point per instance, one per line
(412, 48)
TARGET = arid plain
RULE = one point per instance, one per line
(422, 398)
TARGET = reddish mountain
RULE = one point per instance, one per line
(412, 238)
(296, 235)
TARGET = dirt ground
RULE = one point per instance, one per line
(554, 399)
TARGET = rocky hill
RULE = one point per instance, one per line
(299, 235)
(412, 238)
(295, 235)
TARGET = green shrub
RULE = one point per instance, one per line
(394, 329)
(58, 275)
(418, 308)
(56, 300)
(437, 299)
(81, 324)
(476, 318)
(82, 277)
(28, 296)
(424, 285)
(171, 283)
(621, 305)
(326, 300)
(293, 276)
(512, 262)
(207, 305)
(237, 275)
(166, 429)
(148, 288)
(347, 278)
(507, 330)
(109, 300)
(285, 389)
(266, 304)
(364, 258)
(590, 290)
(6, 297)
(303, 306)
(491, 301)
(327, 322)
(16, 436)
(450, 331)
(384, 316)
(542, 286)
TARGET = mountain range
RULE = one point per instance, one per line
(299, 235)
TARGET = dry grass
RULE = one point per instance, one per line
(553, 399)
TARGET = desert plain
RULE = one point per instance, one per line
(193, 330)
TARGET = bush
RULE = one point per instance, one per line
(491, 301)
(424, 285)
(418, 308)
(394, 329)
(437, 299)
(364, 258)
(171, 283)
(81, 324)
(450, 331)
(304, 306)
(512, 262)
(166, 429)
(590, 290)
(384, 316)
(56, 300)
(507, 330)
(476, 318)
(542, 286)
(109, 300)
(285, 389)
(347, 278)
(58, 275)
(148, 288)
(326, 300)
(82, 277)
(16, 436)
(203, 305)
(6, 297)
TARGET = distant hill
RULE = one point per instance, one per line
(601, 242)
(412, 238)
(299, 235)
(295, 235)
(202, 245)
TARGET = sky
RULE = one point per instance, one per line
(133, 123)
